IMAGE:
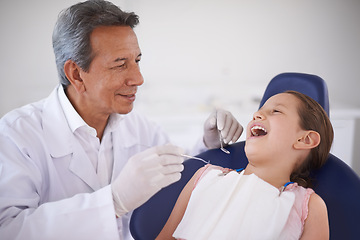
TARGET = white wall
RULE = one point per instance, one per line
(198, 54)
(198, 45)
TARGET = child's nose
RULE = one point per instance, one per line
(258, 116)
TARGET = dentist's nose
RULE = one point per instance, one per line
(134, 77)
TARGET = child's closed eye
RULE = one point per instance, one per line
(276, 111)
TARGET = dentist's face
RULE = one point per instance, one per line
(114, 74)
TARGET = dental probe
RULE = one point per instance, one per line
(186, 156)
(196, 158)
(192, 157)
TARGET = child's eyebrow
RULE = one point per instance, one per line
(280, 105)
(273, 105)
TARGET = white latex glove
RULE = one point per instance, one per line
(223, 121)
(144, 175)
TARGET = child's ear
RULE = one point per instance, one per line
(309, 140)
(72, 72)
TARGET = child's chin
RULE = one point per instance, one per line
(251, 150)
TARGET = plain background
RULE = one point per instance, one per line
(199, 54)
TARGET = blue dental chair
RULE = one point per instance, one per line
(335, 182)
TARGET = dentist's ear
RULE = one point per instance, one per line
(311, 139)
(72, 72)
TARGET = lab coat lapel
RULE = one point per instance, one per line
(61, 141)
(81, 166)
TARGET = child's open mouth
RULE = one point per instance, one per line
(258, 131)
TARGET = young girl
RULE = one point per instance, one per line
(270, 199)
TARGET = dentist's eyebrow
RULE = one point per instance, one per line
(124, 59)
(120, 59)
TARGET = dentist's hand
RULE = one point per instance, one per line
(223, 121)
(144, 175)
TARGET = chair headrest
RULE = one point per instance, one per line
(311, 85)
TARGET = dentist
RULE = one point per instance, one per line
(75, 164)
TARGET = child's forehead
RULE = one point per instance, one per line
(283, 99)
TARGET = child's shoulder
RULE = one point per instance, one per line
(295, 187)
(317, 204)
(316, 225)
(307, 200)
(201, 172)
(208, 167)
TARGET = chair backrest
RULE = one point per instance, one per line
(335, 182)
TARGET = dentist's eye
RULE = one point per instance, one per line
(121, 66)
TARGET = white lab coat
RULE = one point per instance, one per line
(48, 186)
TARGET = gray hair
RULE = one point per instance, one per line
(71, 35)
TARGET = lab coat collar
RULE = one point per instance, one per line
(62, 142)
(58, 132)
(56, 128)
(72, 117)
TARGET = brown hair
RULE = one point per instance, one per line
(312, 117)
